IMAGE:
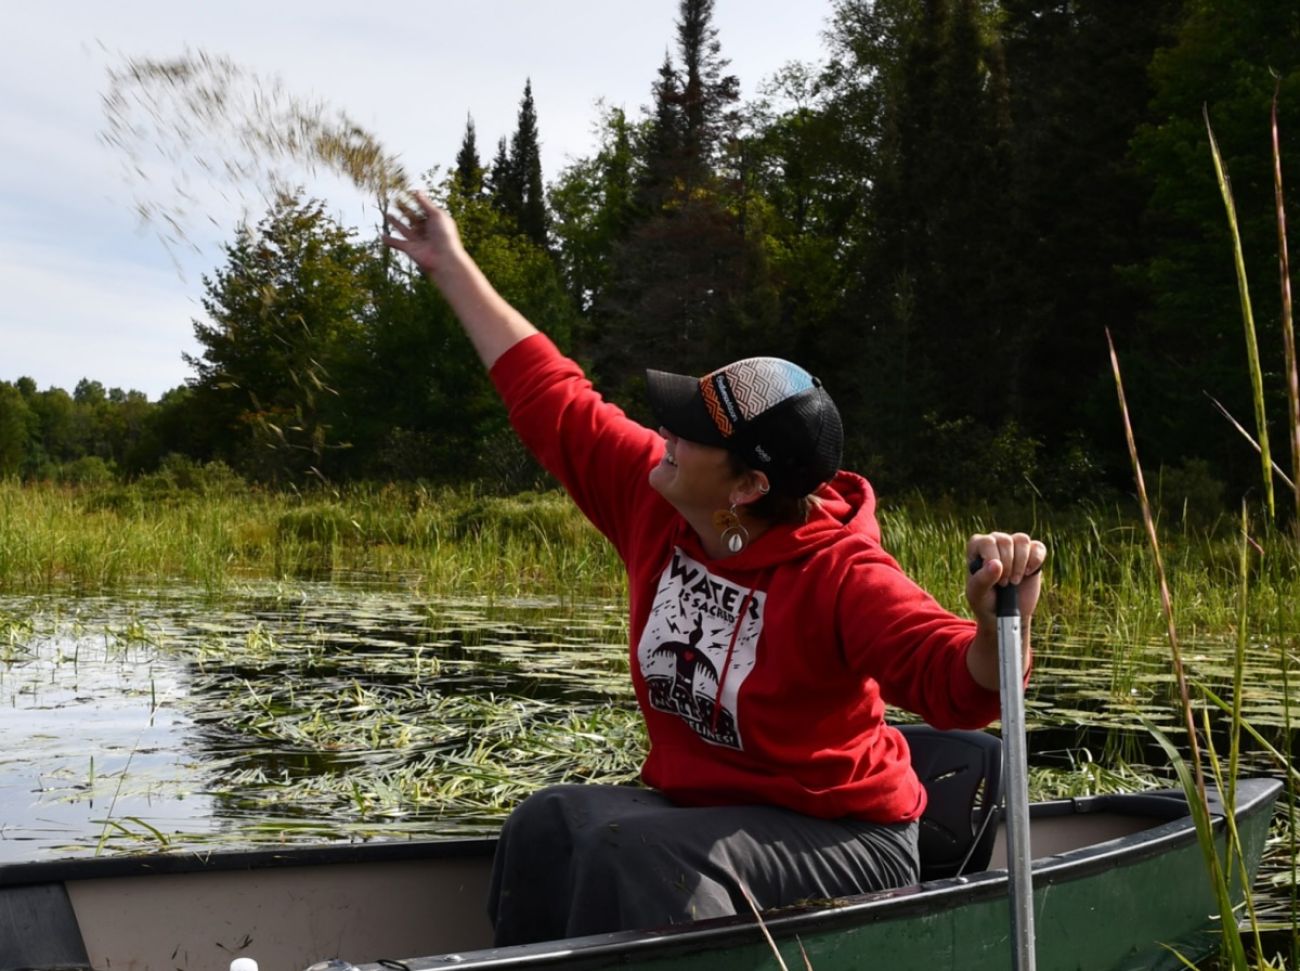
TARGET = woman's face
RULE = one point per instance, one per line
(694, 477)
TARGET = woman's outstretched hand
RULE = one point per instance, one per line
(427, 235)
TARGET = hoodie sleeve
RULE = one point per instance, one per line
(599, 455)
(898, 635)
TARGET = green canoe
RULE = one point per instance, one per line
(1119, 881)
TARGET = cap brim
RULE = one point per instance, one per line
(678, 405)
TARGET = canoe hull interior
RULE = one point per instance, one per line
(286, 917)
(1114, 878)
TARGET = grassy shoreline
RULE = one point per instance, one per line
(66, 538)
(443, 540)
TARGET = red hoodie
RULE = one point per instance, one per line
(763, 677)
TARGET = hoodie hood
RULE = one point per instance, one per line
(845, 510)
(850, 501)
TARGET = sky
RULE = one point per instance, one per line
(88, 288)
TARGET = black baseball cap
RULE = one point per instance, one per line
(773, 414)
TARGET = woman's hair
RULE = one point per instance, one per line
(772, 507)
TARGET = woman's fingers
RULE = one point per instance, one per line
(1018, 554)
(430, 210)
(396, 224)
(1019, 557)
(413, 217)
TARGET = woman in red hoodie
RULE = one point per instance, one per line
(769, 629)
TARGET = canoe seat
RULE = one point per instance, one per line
(962, 775)
(38, 930)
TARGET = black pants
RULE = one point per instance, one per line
(586, 859)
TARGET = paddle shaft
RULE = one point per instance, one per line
(1016, 766)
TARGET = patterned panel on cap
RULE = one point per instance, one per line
(758, 383)
(718, 413)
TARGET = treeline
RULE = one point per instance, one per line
(940, 220)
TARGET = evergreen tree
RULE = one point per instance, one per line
(687, 288)
(707, 94)
(503, 183)
(515, 177)
(288, 314)
(662, 142)
(969, 294)
(469, 171)
(1223, 62)
(1080, 88)
(913, 200)
(691, 112)
(937, 276)
(526, 167)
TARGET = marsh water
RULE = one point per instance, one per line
(348, 711)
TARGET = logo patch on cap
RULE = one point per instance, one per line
(718, 399)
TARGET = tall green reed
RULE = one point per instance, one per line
(1288, 329)
(1292, 372)
(1166, 599)
(1193, 777)
(1247, 317)
(1231, 867)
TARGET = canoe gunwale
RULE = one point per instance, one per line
(140, 864)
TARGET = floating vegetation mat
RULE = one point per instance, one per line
(328, 712)
(313, 713)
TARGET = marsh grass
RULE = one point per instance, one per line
(56, 538)
(1104, 593)
(1103, 596)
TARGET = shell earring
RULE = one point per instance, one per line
(734, 533)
